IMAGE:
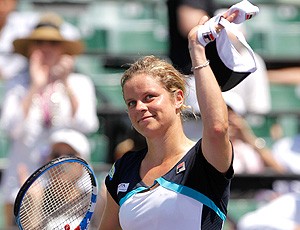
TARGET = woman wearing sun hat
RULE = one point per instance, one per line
(45, 97)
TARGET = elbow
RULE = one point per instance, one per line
(219, 129)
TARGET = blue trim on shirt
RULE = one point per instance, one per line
(191, 193)
(130, 194)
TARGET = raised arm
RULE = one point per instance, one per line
(216, 146)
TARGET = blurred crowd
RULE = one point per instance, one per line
(49, 109)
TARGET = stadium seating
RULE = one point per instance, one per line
(285, 112)
(109, 91)
(99, 146)
(118, 27)
(127, 29)
(4, 145)
(238, 207)
(274, 33)
(285, 97)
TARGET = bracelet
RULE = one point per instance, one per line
(260, 143)
(200, 66)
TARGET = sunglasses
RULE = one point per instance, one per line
(45, 42)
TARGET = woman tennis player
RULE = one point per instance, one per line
(174, 183)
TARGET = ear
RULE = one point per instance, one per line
(179, 98)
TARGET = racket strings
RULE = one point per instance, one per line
(60, 196)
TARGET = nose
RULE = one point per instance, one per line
(141, 106)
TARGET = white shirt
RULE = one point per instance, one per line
(246, 159)
(17, 25)
(154, 209)
(287, 152)
(282, 213)
(29, 136)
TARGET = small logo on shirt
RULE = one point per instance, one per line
(112, 172)
(180, 168)
(122, 187)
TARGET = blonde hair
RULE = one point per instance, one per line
(170, 78)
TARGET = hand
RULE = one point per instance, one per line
(240, 129)
(39, 73)
(229, 18)
(63, 68)
(196, 49)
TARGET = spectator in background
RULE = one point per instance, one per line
(45, 97)
(12, 25)
(251, 155)
(15, 24)
(285, 75)
(69, 142)
(282, 213)
(61, 142)
(287, 151)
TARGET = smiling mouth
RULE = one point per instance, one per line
(144, 118)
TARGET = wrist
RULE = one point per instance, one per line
(204, 64)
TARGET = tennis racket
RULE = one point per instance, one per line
(60, 195)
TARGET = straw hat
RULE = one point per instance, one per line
(47, 30)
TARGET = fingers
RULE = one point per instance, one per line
(67, 62)
(36, 56)
(208, 30)
(193, 32)
(229, 18)
(203, 20)
(232, 16)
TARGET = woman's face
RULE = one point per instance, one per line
(51, 51)
(151, 108)
(62, 149)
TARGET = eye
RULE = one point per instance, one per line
(131, 104)
(149, 97)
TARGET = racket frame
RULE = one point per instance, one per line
(43, 169)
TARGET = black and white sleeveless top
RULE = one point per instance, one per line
(192, 195)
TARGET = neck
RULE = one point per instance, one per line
(162, 149)
(163, 154)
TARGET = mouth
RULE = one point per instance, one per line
(144, 118)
